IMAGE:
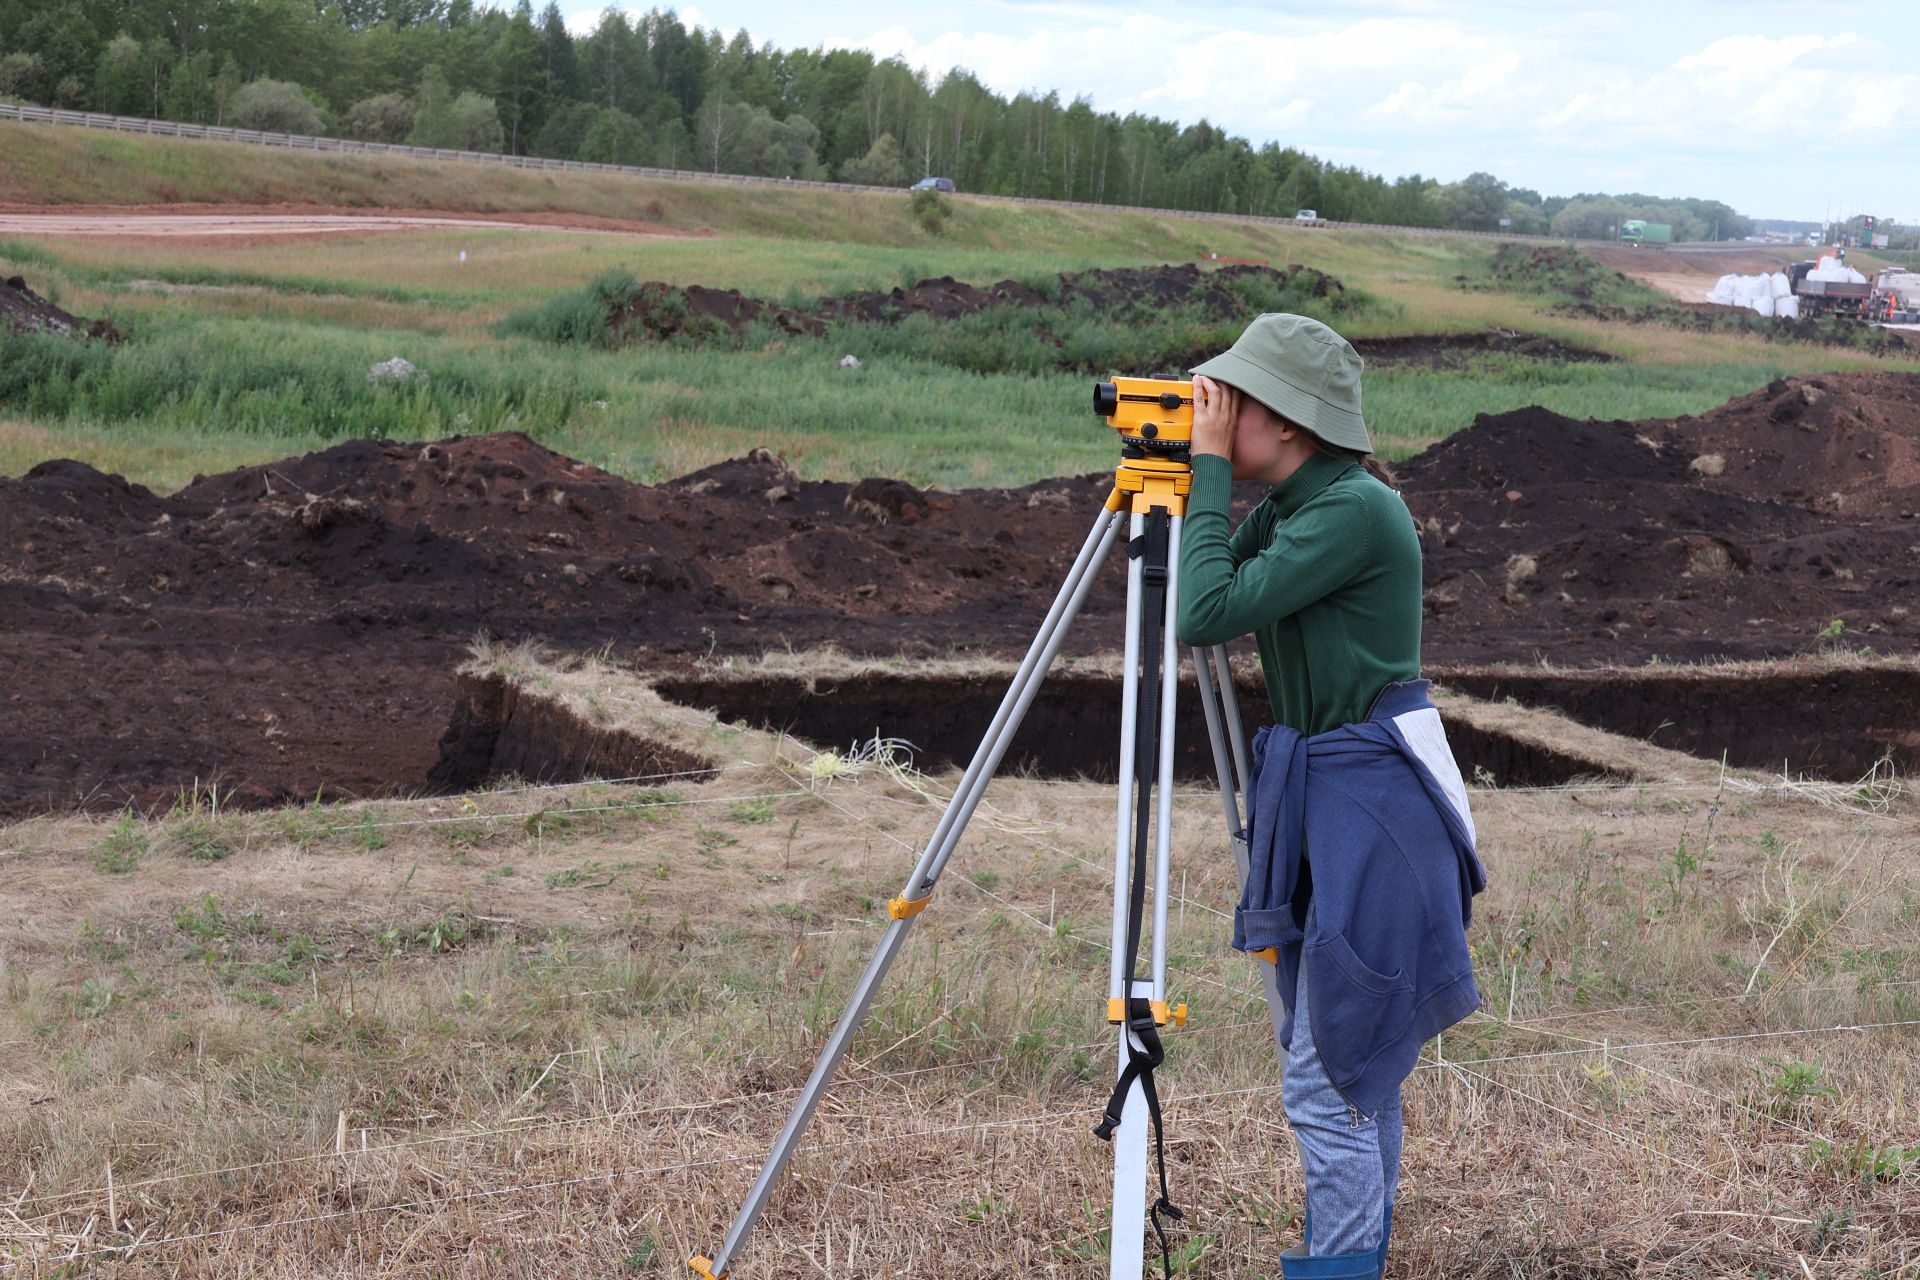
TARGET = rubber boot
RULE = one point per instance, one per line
(1339, 1266)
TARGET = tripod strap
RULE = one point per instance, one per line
(1152, 547)
(1148, 1053)
(1141, 1061)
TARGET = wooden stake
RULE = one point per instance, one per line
(340, 1135)
(113, 1209)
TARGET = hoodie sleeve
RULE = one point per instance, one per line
(1312, 553)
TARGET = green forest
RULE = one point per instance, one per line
(650, 90)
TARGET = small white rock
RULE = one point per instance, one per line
(849, 362)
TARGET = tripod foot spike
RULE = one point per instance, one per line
(703, 1267)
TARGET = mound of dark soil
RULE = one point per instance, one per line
(292, 627)
(24, 311)
(1742, 533)
(1457, 350)
(662, 311)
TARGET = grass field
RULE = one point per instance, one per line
(241, 353)
(550, 1032)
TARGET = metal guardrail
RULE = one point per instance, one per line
(304, 142)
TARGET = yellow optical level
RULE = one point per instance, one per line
(1154, 414)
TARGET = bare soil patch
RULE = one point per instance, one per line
(1742, 533)
(253, 224)
(24, 311)
(665, 311)
(1456, 350)
(295, 626)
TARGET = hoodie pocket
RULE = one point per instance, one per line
(1356, 1010)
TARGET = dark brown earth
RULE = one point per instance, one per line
(1456, 350)
(661, 311)
(24, 311)
(293, 627)
(1742, 533)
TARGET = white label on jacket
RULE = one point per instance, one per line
(1424, 733)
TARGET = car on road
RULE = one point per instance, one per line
(1309, 218)
(933, 184)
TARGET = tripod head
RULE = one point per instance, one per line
(1154, 416)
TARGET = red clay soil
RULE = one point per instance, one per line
(292, 627)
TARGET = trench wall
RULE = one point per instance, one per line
(498, 729)
(1823, 722)
(1071, 730)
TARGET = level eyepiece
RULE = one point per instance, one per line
(1106, 399)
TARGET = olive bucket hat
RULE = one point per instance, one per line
(1303, 371)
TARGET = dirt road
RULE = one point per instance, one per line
(287, 222)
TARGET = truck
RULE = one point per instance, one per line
(1846, 299)
(1637, 231)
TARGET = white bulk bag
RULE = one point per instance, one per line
(1787, 308)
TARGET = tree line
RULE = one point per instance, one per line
(650, 90)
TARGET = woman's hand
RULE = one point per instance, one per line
(1215, 406)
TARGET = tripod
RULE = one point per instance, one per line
(1149, 495)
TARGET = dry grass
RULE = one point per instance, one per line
(562, 1025)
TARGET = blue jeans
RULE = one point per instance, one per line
(1351, 1162)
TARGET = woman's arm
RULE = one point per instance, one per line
(1319, 549)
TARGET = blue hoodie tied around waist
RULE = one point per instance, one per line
(1378, 911)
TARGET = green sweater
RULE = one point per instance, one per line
(1326, 576)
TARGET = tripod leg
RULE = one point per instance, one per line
(1222, 710)
(919, 886)
(1127, 1227)
(1152, 664)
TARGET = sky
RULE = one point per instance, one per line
(1782, 110)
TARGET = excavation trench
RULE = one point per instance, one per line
(501, 730)
(1831, 720)
(1072, 729)
(1826, 720)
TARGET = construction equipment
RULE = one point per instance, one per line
(1845, 298)
(1898, 293)
(1154, 420)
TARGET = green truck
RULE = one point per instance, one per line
(1634, 231)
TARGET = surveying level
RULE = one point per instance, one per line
(1150, 487)
(1152, 415)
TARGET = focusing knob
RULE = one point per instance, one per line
(1170, 400)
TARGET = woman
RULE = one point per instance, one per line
(1368, 931)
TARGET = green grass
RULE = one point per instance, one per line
(239, 354)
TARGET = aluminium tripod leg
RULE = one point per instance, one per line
(1152, 667)
(1222, 708)
(919, 887)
